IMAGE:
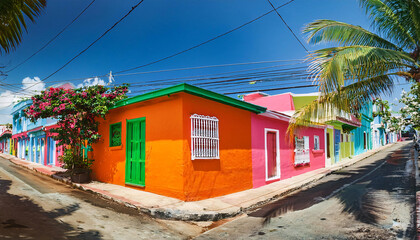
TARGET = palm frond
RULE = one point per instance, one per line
(340, 66)
(344, 34)
(393, 20)
(12, 20)
(415, 16)
(347, 99)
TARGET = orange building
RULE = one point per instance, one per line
(184, 142)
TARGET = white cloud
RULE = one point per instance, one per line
(5, 116)
(30, 87)
(94, 81)
(7, 98)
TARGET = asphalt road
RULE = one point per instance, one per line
(38, 207)
(372, 199)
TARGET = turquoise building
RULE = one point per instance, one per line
(33, 141)
(363, 134)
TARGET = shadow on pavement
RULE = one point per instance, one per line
(20, 218)
(358, 199)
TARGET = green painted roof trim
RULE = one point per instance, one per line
(193, 91)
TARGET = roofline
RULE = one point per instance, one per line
(193, 90)
(24, 103)
(6, 132)
(262, 93)
(276, 115)
(312, 94)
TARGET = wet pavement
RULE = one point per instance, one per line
(372, 199)
(37, 207)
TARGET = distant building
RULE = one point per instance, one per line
(363, 134)
(5, 137)
(34, 141)
(379, 137)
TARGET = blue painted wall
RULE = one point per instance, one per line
(337, 138)
(31, 147)
(363, 134)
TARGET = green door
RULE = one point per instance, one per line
(135, 155)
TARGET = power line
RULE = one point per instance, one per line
(84, 50)
(271, 89)
(205, 42)
(247, 80)
(297, 70)
(247, 86)
(90, 45)
(244, 91)
(235, 81)
(52, 39)
(173, 55)
(209, 66)
(288, 26)
(178, 69)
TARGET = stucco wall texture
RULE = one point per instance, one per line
(169, 169)
(281, 102)
(287, 168)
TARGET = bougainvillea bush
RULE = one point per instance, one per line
(411, 111)
(76, 111)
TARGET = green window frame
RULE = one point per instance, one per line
(114, 137)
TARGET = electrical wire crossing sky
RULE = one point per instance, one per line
(223, 46)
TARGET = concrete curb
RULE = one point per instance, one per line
(417, 190)
(417, 218)
(178, 214)
(14, 160)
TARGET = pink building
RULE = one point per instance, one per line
(274, 156)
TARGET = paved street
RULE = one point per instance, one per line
(38, 207)
(373, 199)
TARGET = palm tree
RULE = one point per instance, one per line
(12, 21)
(364, 65)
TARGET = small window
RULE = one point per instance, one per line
(204, 137)
(301, 151)
(115, 135)
(316, 142)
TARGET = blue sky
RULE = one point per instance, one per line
(159, 28)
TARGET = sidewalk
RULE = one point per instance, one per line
(415, 156)
(205, 210)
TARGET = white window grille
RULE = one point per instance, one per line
(302, 151)
(316, 142)
(204, 137)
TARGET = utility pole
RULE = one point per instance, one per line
(110, 78)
